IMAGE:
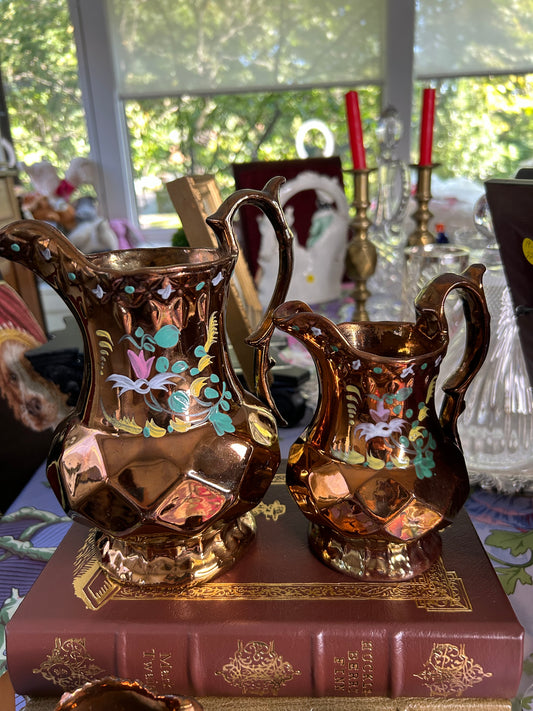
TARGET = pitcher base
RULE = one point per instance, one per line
(169, 560)
(374, 560)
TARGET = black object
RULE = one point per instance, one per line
(63, 367)
(286, 389)
(511, 207)
(524, 174)
(60, 360)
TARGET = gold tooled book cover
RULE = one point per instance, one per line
(280, 623)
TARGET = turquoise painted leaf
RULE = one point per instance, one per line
(167, 336)
(221, 422)
(211, 393)
(424, 464)
(224, 405)
(162, 364)
(199, 351)
(179, 366)
(403, 394)
(139, 332)
(178, 401)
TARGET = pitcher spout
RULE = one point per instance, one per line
(40, 247)
(313, 330)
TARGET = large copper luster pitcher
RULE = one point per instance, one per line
(377, 472)
(166, 453)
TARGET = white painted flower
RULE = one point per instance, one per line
(165, 292)
(407, 371)
(370, 430)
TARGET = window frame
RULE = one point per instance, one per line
(105, 114)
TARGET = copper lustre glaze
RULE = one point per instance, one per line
(165, 453)
(377, 472)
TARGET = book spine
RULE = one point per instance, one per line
(240, 659)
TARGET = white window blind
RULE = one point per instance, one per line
(472, 37)
(164, 47)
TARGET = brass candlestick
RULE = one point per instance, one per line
(361, 256)
(422, 215)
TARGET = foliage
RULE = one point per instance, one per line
(483, 129)
(208, 134)
(40, 75)
(518, 543)
(175, 46)
(483, 126)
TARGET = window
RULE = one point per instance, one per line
(181, 135)
(174, 86)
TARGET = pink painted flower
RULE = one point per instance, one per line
(141, 366)
(381, 413)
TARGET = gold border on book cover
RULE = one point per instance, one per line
(436, 589)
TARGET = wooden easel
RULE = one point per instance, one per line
(195, 198)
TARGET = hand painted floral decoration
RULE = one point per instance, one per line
(203, 400)
(405, 435)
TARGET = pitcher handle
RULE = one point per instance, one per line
(267, 200)
(429, 306)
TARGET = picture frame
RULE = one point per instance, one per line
(195, 198)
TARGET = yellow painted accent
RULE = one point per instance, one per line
(431, 390)
(104, 334)
(415, 433)
(374, 462)
(422, 413)
(400, 462)
(352, 456)
(261, 433)
(212, 332)
(527, 249)
(155, 430)
(197, 385)
(126, 424)
(180, 425)
(204, 362)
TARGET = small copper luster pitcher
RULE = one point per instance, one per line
(377, 472)
(165, 453)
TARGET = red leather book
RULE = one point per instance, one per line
(280, 623)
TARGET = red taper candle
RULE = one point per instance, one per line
(355, 130)
(426, 126)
